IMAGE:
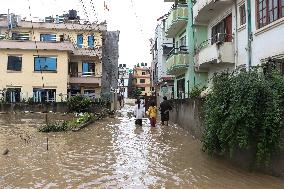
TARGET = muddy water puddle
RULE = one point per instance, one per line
(115, 154)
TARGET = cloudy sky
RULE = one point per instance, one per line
(136, 19)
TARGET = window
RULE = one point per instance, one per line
(183, 41)
(142, 80)
(13, 95)
(14, 63)
(47, 37)
(79, 41)
(268, 11)
(44, 95)
(242, 10)
(88, 68)
(90, 93)
(91, 41)
(143, 73)
(20, 36)
(222, 32)
(142, 88)
(45, 64)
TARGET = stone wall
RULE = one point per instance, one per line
(188, 115)
(60, 107)
(110, 61)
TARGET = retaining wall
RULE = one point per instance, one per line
(188, 115)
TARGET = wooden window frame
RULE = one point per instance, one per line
(242, 11)
(267, 10)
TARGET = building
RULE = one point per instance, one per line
(214, 36)
(123, 79)
(142, 79)
(52, 59)
(110, 62)
(161, 47)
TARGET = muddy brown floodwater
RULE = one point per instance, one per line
(116, 154)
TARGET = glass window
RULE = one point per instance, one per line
(142, 88)
(242, 11)
(47, 37)
(20, 36)
(269, 11)
(143, 73)
(13, 95)
(14, 63)
(44, 95)
(91, 41)
(88, 68)
(142, 80)
(45, 64)
(79, 41)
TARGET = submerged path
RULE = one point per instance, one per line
(116, 154)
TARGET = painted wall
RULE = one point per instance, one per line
(72, 34)
(27, 79)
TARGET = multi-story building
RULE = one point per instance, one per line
(142, 79)
(214, 36)
(160, 48)
(180, 61)
(47, 60)
(123, 79)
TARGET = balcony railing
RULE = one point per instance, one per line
(180, 50)
(176, 20)
(218, 49)
(84, 78)
(218, 39)
(177, 61)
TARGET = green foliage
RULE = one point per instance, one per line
(66, 125)
(245, 111)
(79, 103)
(136, 93)
(54, 127)
(196, 91)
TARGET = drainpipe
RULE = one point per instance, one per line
(249, 32)
(236, 36)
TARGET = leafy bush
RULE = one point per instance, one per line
(196, 91)
(54, 127)
(79, 103)
(245, 111)
(66, 125)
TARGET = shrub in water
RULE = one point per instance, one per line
(79, 104)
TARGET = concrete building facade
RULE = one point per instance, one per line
(123, 79)
(161, 46)
(142, 79)
(50, 60)
(220, 36)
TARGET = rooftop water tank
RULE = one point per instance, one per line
(72, 14)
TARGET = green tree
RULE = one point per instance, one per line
(245, 111)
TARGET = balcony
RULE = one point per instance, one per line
(217, 51)
(177, 20)
(177, 61)
(84, 78)
(204, 10)
(94, 52)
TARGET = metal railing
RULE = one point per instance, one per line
(82, 74)
(218, 38)
(180, 50)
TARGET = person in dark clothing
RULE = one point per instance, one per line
(165, 108)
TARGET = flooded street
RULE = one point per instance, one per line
(116, 154)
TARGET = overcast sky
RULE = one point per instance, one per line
(136, 19)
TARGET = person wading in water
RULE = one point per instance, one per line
(165, 108)
(139, 112)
